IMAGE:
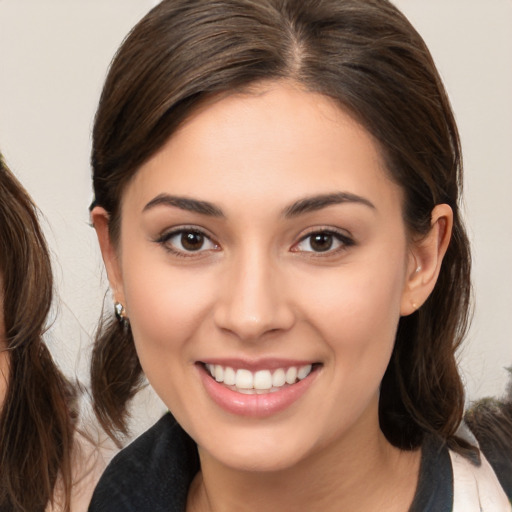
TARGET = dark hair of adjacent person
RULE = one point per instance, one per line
(367, 57)
(37, 415)
(490, 420)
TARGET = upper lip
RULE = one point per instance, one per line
(257, 364)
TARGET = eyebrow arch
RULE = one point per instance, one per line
(314, 203)
(185, 203)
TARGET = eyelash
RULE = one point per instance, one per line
(344, 242)
(165, 239)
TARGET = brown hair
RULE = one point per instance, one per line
(365, 55)
(37, 415)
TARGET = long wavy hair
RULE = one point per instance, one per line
(37, 414)
(366, 56)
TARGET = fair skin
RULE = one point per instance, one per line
(300, 257)
(4, 355)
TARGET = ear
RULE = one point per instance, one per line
(100, 220)
(425, 260)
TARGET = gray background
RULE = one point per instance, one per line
(53, 58)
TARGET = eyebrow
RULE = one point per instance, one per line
(305, 205)
(185, 203)
(314, 203)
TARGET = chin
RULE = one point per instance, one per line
(258, 460)
(262, 451)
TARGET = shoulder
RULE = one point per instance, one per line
(449, 482)
(88, 465)
(476, 487)
(150, 473)
(490, 421)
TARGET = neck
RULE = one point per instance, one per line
(359, 473)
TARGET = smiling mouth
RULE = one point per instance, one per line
(259, 382)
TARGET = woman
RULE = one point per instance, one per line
(41, 465)
(276, 200)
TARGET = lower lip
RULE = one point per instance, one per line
(256, 406)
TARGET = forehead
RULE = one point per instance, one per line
(278, 135)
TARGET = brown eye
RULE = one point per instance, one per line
(325, 241)
(186, 241)
(192, 240)
(321, 242)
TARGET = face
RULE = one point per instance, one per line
(4, 360)
(2, 323)
(264, 265)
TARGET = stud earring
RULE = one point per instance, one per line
(120, 311)
(418, 269)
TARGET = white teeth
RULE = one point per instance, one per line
(219, 373)
(244, 379)
(304, 371)
(278, 378)
(229, 376)
(291, 375)
(261, 381)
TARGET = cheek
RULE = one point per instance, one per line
(165, 305)
(356, 311)
(355, 303)
(357, 318)
(165, 310)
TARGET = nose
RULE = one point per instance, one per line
(253, 301)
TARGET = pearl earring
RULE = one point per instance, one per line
(120, 311)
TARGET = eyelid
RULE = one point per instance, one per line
(165, 236)
(342, 236)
